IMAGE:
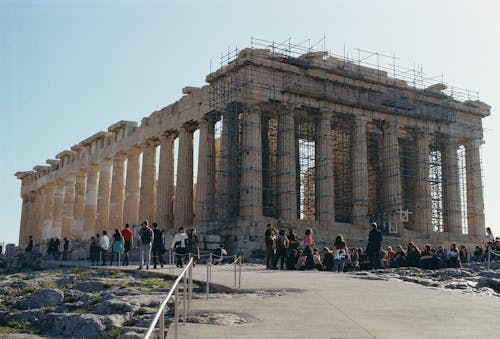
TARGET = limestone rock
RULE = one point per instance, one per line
(79, 325)
(42, 297)
(90, 286)
(114, 306)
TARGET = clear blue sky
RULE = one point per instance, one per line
(71, 68)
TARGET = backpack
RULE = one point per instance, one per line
(280, 242)
(146, 235)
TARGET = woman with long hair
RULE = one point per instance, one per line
(340, 253)
(117, 247)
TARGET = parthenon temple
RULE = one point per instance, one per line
(296, 137)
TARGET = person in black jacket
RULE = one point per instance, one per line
(373, 248)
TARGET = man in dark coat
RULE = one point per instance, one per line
(373, 248)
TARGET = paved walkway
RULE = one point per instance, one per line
(333, 305)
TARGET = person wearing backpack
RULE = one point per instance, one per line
(281, 244)
(179, 244)
(146, 238)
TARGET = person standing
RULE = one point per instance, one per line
(117, 247)
(128, 239)
(146, 237)
(29, 248)
(281, 244)
(179, 244)
(65, 249)
(104, 244)
(340, 253)
(193, 244)
(158, 245)
(269, 239)
(373, 248)
(489, 236)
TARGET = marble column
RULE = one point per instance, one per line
(40, 214)
(451, 185)
(360, 172)
(165, 194)
(422, 214)
(48, 214)
(205, 195)
(58, 208)
(251, 163)
(228, 162)
(287, 176)
(103, 195)
(69, 200)
(79, 205)
(117, 191)
(325, 195)
(183, 205)
(23, 228)
(131, 204)
(147, 204)
(89, 214)
(391, 171)
(475, 200)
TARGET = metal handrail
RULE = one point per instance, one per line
(160, 315)
(238, 261)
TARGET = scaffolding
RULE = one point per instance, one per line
(289, 76)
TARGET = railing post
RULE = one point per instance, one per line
(162, 324)
(489, 257)
(235, 263)
(190, 282)
(184, 299)
(208, 281)
(176, 311)
(210, 265)
(239, 278)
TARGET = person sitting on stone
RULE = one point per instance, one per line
(442, 257)
(302, 261)
(400, 257)
(219, 254)
(477, 255)
(464, 255)
(413, 255)
(291, 260)
(327, 259)
(453, 256)
(389, 257)
(429, 261)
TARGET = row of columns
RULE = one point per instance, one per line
(101, 196)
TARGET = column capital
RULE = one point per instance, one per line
(70, 178)
(136, 149)
(92, 168)
(190, 126)
(120, 156)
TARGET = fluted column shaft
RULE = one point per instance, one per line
(391, 172)
(147, 204)
(251, 163)
(69, 200)
(183, 207)
(40, 214)
(79, 205)
(325, 202)
(131, 205)
(475, 200)
(228, 162)
(287, 175)
(165, 194)
(360, 172)
(23, 229)
(117, 191)
(48, 212)
(451, 185)
(103, 194)
(58, 208)
(205, 194)
(423, 208)
(89, 215)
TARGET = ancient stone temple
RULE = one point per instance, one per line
(299, 138)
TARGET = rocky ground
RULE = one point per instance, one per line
(467, 280)
(80, 302)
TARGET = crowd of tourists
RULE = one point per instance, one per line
(284, 250)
